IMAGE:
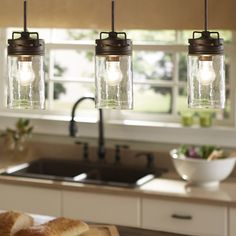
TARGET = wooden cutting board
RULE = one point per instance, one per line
(101, 230)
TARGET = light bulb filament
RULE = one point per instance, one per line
(25, 73)
(206, 73)
(113, 71)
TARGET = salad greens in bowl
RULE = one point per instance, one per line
(202, 152)
(202, 165)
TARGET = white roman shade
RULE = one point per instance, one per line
(137, 14)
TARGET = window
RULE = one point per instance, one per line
(159, 62)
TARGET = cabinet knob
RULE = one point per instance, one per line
(182, 217)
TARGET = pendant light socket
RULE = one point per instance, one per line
(206, 44)
(113, 45)
(25, 44)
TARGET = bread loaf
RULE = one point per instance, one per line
(11, 222)
(38, 230)
(58, 227)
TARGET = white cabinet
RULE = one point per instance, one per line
(232, 222)
(102, 208)
(30, 199)
(184, 218)
(149, 213)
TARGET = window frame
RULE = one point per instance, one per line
(117, 124)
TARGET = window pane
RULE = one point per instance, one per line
(227, 69)
(183, 67)
(182, 103)
(227, 110)
(73, 64)
(152, 99)
(153, 66)
(66, 94)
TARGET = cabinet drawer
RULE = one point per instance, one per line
(184, 218)
(102, 208)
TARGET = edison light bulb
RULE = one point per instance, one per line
(25, 74)
(206, 73)
(113, 72)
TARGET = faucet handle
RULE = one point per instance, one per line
(150, 158)
(118, 151)
(85, 149)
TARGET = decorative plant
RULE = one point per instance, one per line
(15, 138)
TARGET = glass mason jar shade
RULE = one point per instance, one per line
(26, 88)
(114, 72)
(206, 81)
(25, 84)
(114, 83)
(206, 72)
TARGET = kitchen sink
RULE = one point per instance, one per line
(83, 172)
(118, 176)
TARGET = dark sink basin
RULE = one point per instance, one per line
(48, 168)
(118, 175)
(83, 172)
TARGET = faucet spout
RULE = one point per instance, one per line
(73, 128)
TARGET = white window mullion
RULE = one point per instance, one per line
(175, 92)
(232, 82)
(69, 46)
(163, 48)
(50, 82)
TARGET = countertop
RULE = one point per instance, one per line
(169, 186)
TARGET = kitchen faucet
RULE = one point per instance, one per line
(73, 129)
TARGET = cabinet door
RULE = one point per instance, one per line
(232, 222)
(184, 218)
(102, 208)
(30, 199)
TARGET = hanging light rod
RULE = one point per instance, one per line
(206, 14)
(113, 15)
(25, 15)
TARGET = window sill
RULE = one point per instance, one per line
(157, 132)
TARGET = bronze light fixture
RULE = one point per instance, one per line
(206, 73)
(26, 88)
(114, 76)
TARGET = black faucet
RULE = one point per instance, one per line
(73, 128)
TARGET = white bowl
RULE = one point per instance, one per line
(202, 172)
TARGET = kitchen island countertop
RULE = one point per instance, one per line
(123, 230)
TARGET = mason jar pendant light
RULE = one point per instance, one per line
(206, 73)
(26, 88)
(114, 76)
